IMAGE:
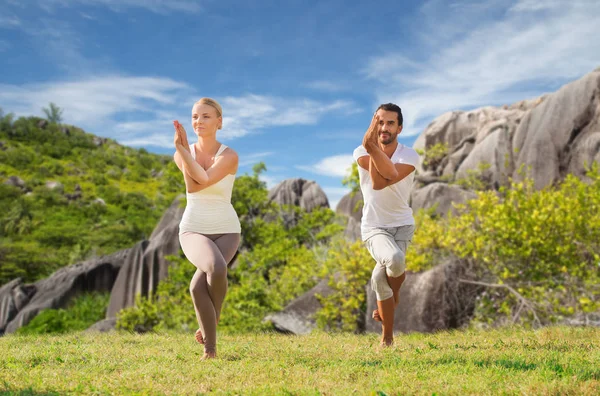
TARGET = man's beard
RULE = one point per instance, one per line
(388, 140)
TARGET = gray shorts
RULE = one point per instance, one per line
(388, 247)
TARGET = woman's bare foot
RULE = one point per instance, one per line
(209, 355)
(199, 337)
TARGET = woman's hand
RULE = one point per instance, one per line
(180, 139)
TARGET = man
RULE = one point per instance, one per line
(386, 172)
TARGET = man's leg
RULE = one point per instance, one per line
(386, 252)
(395, 284)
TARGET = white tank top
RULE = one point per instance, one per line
(210, 211)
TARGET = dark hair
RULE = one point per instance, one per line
(392, 107)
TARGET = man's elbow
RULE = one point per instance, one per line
(392, 175)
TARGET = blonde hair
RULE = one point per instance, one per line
(211, 103)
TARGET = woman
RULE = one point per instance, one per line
(209, 232)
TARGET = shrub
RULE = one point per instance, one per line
(84, 311)
(538, 250)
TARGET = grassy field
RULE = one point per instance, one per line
(558, 361)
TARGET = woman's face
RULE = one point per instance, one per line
(205, 120)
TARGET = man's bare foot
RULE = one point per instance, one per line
(387, 342)
(199, 337)
(209, 355)
(376, 316)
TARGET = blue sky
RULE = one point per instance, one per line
(298, 80)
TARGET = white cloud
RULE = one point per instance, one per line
(335, 166)
(94, 99)
(150, 104)
(245, 114)
(270, 180)
(498, 61)
(154, 139)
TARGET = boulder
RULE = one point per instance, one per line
(561, 134)
(298, 317)
(104, 326)
(495, 150)
(441, 196)
(430, 301)
(351, 206)
(147, 265)
(57, 290)
(13, 297)
(16, 181)
(306, 194)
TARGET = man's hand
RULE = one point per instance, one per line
(372, 133)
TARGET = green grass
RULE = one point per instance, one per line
(557, 361)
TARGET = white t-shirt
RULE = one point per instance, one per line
(387, 207)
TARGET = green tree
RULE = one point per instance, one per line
(53, 113)
(352, 179)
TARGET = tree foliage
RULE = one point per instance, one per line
(542, 248)
(78, 196)
(53, 113)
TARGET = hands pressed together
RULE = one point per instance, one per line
(370, 138)
(180, 139)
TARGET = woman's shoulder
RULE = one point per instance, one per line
(228, 152)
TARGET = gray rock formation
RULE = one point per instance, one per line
(146, 265)
(13, 297)
(351, 206)
(104, 326)
(562, 133)
(550, 137)
(16, 181)
(440, 196)
(429, 301)
(57, 290)
(298, 316)
(306, 194)
(132, 271)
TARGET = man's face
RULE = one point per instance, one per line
(388, 126)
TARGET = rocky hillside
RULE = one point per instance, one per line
(67, 195)
(544, 138)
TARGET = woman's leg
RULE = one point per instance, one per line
(209, 284)
(227, 245)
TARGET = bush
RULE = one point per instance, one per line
(348, 267)
(84, 311)
(538, 250)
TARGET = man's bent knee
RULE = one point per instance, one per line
(397, 264)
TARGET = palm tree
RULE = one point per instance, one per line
(53, 113)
